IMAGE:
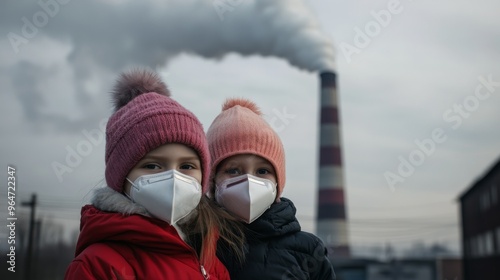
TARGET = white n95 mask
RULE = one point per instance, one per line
(246, 196)
(168, 196)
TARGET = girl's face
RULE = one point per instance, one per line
(166, 157)
(245, 164)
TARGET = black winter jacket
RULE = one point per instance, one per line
(278, 249)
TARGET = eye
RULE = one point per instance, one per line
(232, 171)
(152, 166)
(263, 171)
(187, 166)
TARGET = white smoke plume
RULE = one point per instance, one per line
(112, 32)
(101, 38)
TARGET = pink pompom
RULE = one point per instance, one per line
(243, 103)
(134, 83)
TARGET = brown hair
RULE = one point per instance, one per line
(213, 223)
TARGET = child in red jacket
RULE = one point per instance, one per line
(152, 220)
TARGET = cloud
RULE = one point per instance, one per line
(26, 79)
(96, 40)
(117, 34)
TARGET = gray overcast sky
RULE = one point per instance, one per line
(403, 69)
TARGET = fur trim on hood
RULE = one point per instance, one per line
(109, 200)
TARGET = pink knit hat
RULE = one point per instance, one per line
(145, 118)
(240, 129)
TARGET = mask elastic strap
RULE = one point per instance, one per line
(126, 178)
(126, 194)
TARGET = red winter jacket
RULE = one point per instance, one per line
(112, 245)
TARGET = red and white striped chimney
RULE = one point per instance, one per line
(331, 215)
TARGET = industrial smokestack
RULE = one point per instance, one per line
(331, 215)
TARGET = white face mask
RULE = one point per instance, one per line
(246, 196)
(169, 196)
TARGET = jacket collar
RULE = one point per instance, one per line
(109, 200)
(115, 218)
(276, 221)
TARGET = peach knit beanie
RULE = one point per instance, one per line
(240, 129)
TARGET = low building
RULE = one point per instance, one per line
(480, 213)
(449, 268)
(403, 270)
